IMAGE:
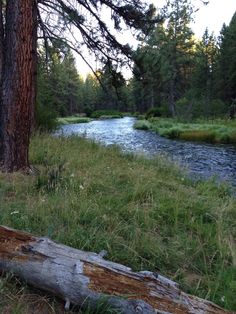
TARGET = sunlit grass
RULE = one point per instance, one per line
(73, 119)
(146, 213)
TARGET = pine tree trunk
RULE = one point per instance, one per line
(18, 84)
(171, 98)
(35, 61)
(1, 66)
(1, 38)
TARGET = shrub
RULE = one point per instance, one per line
(141, 117)
(153, 112)
(88, 111)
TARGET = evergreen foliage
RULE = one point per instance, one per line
(183, 76)
(174, 74)
(164, 64)
(60, 88)
(226, 75)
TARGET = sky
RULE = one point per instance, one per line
(211, 16)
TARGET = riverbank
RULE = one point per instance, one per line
(73, 120)
(215, 131)
(99, 114)
(145, 213)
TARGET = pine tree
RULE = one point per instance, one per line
(164, 63)
(91, 92)
(18, 82)
(226, 67)
(202, 83)
(112, 95)
(176, 52)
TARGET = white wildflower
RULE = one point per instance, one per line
(15, 212)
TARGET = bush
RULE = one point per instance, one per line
(153, 112)
(141, 117)
(88, 111)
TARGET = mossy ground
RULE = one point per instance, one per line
(146, 213)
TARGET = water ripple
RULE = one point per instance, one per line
(201, 159)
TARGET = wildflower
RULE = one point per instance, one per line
(15, 212)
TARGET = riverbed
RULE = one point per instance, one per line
(201, 159)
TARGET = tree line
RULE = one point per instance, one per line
(174, 74)
(180, 75)
(62, 91)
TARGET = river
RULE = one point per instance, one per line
(202, 160)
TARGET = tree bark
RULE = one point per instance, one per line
(82, 278)
(1, 37)
(18, 83)
(1, 73)
(171, 97)
(35, 61)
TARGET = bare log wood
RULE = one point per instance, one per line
(82, 278)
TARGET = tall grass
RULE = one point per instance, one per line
(215, 131)
(106, 114)
(73, 119)
(146, 213)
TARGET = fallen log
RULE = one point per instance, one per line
(82, 278)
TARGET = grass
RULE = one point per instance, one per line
(73, 119)
(99, 114)
(142, 125)
(114, 116)
(17, 298)
(146, 213)
(215, 131)
(106, 114)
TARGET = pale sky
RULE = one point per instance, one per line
(212, 16)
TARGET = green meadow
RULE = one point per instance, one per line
(211, 131)
(146, 213)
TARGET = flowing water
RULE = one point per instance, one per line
(202, 160)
